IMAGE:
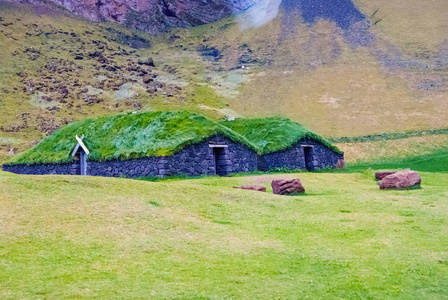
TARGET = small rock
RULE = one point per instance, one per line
(111, 69)
(287, 187)
(149, 62)
(251, 188)
(401, 181)
(147, 79)
(340, 164)
(151, 90)
(381, 174)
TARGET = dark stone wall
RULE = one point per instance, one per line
(196, 160)
(41, 169)
(193, 160)
(294, 157)
(199, 159)
(141, 167)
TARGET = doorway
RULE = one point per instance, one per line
(80, 163)
(218, 153)
(308, 152)
(77, 164)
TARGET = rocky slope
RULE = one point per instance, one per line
(153, 16)
(340, 67)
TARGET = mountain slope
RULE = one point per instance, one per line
(153, 16)
(341, 68)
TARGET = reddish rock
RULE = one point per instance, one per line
(401, 181)
(153, 16)
(381, 174)
(287, 187)
(340, 164)
(251, 188)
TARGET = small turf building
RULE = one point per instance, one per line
(174, 143)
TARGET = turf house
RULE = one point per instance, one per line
(162, 144)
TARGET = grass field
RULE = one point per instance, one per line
(75, 237)
(91, 237)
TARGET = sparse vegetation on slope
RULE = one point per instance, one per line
(56, 68)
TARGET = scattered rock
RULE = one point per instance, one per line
(151, 90)
(251, 188)
(287, 187)
(111, 69)
(149, 62)
(401, 181)
(381, 174)
(147, 79)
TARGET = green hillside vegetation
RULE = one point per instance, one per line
(125, 136)
(274, 133)
(91, 237)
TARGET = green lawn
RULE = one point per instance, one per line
(84, 237)
(437, 161)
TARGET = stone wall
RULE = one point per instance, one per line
(294, 157)
(141, 167)
(199, 159)
(193, 160)
(41, 169)
(223, 158)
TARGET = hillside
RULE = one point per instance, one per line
(341, 68)
(152, 16)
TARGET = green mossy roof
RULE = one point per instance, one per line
(274, 133)
(127, 136)
(136, 135)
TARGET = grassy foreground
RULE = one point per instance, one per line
(75, 237)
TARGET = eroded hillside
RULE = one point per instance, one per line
(342, 68)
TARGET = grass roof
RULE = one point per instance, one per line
(274, 133)
(127, 136)
(136, 135)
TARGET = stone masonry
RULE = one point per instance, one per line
(216, 155)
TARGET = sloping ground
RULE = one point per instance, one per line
(56, 68)
(125, 136)
(153, 16)
(75, 237)
(387, 75)
(274, 134)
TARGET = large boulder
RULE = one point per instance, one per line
(381, 174)
(251, 188)
(401, 181)
(287, 187)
